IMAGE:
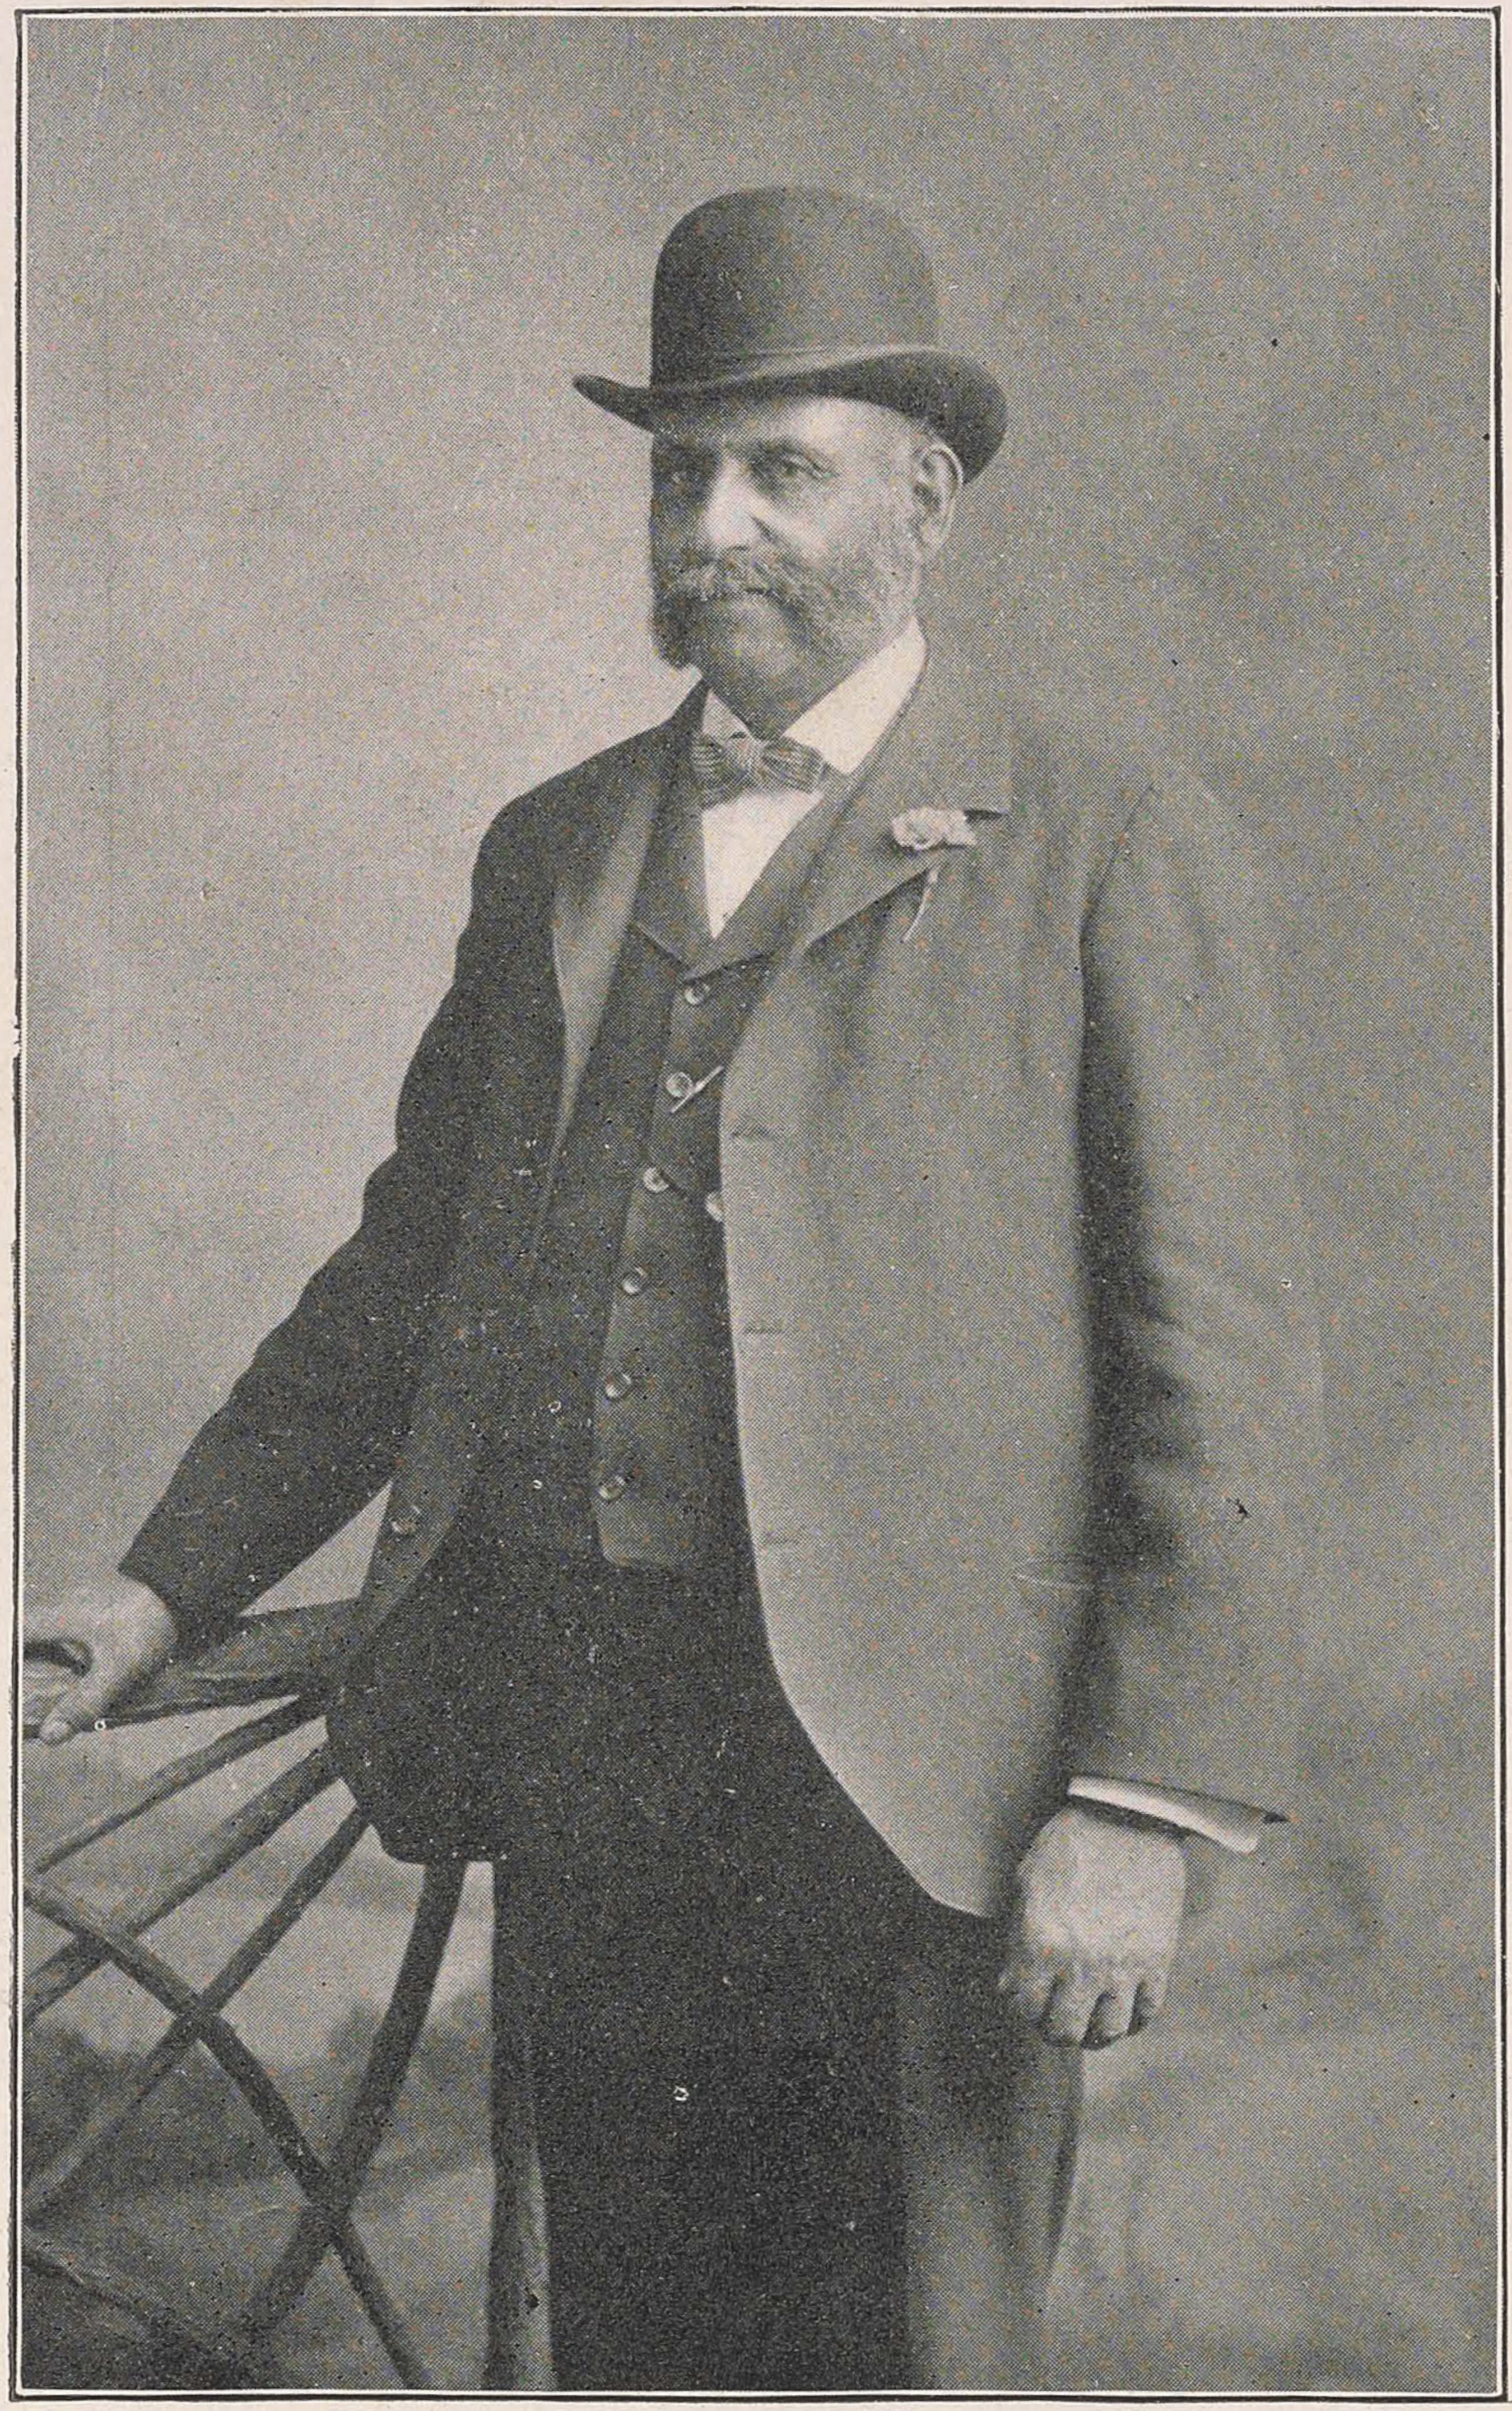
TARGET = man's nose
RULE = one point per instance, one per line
(727, 516)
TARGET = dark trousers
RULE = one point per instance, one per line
(722, 2222)
(698, 1932)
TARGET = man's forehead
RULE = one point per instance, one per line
(821, 422)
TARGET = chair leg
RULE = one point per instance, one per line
(518, 2356)
(389, 2060)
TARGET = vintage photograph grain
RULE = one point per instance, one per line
(760, 1276)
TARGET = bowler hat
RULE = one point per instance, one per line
(803, 291)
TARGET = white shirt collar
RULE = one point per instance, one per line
(845, 723)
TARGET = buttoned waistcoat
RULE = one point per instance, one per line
(1016, 1267)
(619, 1437)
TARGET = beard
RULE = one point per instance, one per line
(756, 614)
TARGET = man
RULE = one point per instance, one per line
(832, 1323)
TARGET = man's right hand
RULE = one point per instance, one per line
(115, 1634)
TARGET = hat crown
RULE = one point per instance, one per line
(792, 289)
(752, 279)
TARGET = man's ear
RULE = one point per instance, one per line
(937, 478)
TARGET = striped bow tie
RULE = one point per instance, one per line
(725, 766)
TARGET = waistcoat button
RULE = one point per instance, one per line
(612, 1487)
(655, 1180)
(634, 1281)
(679, 1085)
(696, 992)
(619, 1385)
(713, 1206)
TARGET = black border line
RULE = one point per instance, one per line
(14, 2291)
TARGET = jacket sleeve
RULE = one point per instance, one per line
(1207, 1370)
(312, 1429)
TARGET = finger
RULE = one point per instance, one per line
(43, 1690)
(1072, 2006)
(56, 1658)
(51, 1664)
(51, 1692)
(1027, 1987)
(65, 1717)
(110, 1674)
(1110, 2021)
(1147, 1999)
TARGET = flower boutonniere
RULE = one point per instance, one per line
(920, 832)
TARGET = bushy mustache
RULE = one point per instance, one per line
(833, 612)
(689, 579)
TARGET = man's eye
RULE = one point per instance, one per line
(675, 477)
(789, 470)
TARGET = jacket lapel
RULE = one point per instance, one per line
(930, 756)
(595, 891)
(671, 908)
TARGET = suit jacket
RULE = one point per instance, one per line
(1016, 1276)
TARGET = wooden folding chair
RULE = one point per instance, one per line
(267, 1658)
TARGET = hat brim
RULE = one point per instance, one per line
(956, 396)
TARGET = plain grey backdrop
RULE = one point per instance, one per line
(326, 560)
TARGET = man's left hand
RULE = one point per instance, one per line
(1095, 1924)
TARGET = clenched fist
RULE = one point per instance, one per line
(104, 1639)
(1095, 1924)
